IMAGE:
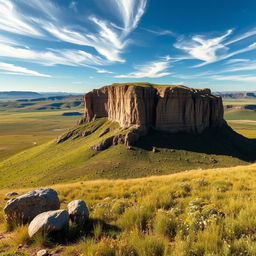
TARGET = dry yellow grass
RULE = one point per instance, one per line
(199, 212)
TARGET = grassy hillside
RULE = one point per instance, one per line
(43, 104)
(241, 119)
(72, 160)
(23, 130)
(210, 212)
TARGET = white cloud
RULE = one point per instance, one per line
(203, 49)
(104, 71)
(242, 37)
(237, 78)
(46, 21)
(51, 57)
(14, 22)
(12, 69)
(160, 32)
(249, 65)
(130, 12)
(154, 69)
(210, 50)
(237, 61)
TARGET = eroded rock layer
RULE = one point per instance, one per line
(165, 108)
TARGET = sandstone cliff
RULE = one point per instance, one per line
(164, 108)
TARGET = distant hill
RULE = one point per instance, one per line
(42, 103)
(18, 95)
(6, 95)
(236, 95)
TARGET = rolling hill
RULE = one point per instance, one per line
(72, 160)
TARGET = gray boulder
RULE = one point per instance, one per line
(78, 212)
(24, 208)
(48, 222)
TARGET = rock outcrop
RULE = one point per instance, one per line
(164, 108)
(48, 222)
(24, 208)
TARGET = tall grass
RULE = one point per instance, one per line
(199, 213)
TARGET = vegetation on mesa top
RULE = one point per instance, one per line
(145, 84)
(199, 213)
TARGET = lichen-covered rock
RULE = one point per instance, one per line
(78, 212)
(165, 108)
(24, 208)
(48, 222)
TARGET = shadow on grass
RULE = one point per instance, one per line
(73, 233)
(218, 141)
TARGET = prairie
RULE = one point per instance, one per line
(199, 212)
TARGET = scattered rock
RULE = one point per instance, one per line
(48, 222)
(65, 136)
(78, 212)
(105, 132)
(155, 150)
(104, 144)
(87, 133)
(24, 208)
(42, 253)
(11, 194)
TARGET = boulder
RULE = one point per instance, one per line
(11, 194)
(78, 212)
(24, 208)
(48, 222)
(42, 253)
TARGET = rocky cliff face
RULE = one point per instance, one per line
(164, 108)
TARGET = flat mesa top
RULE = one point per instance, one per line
(161, 86)
(144, 84)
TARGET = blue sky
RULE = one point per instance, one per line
(77, 45)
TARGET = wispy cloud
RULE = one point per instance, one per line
(13, 21)
(104, 71)
(210, 50)
(237, 61)
(161, 32)
(236, 78)
(247, 66)
(12, 69)
(50, 57)
(130, 13)
(46, 22)
(154, 69)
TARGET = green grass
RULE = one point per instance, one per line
(73, 160)
(240, 114)
(209, 212)
(24, 130)
(237, 102)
